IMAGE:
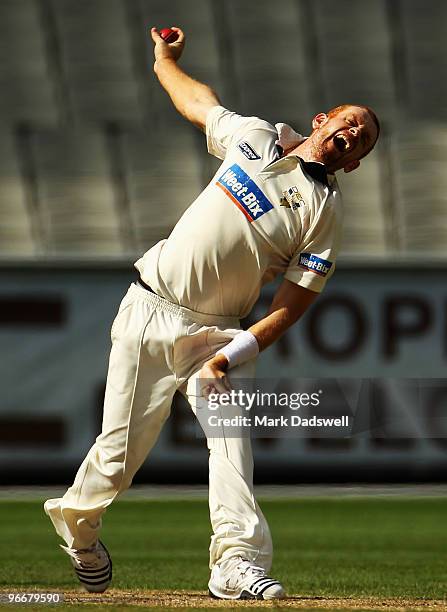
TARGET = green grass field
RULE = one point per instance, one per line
(325, 548)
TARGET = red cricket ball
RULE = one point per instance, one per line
(168, 35)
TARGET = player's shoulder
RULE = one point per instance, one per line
(221, 114)
(256, 144)
(255, 149)
(238, 125)
(230, 134)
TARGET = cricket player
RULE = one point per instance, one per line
(273, 208)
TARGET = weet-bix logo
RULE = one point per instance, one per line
(248, 150)
(244, 192)
(314, 264)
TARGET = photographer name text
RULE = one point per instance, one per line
(281, 421)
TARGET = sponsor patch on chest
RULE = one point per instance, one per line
(291, 198)
(244, 192)
(315, 264)
(248, 150)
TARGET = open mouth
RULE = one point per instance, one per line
(341, 143)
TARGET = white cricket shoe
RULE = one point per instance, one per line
(93, 566)
(238, 578)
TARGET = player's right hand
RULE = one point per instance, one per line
(164, 50)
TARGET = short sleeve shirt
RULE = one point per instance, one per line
(261, 215)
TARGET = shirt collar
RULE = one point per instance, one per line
(315, 170)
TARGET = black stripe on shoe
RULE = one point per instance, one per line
(95, 581)
(259, 580)
(87, 570)
(266, 586)
(255, 587)
(102, 574)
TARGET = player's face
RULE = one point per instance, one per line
(342, 140)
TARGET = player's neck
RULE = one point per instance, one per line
(307, 151)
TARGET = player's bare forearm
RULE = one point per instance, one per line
(289, 304)
(191, 98)
(268, 329)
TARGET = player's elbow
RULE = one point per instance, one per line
(196, 110)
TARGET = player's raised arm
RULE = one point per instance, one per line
(191, 98)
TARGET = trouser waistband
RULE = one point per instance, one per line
(143, 290)
(141, 282)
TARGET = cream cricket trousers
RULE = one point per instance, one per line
(158, 348)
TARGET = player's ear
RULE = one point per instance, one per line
(352, 165)
(318, 120)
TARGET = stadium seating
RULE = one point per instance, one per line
(26, 81)
(423, 48)
(355, 54)
(420, 162)
(364, 230)
(95, 162)
(17, 238)
(270, 65)
(78, 206)
(97, 60)
(163, 177)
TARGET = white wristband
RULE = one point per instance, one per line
(242, 348)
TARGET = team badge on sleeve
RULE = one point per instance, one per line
(315, 264)
(248, 150)
(244, 192)
(291, 198)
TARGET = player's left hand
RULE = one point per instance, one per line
(213, 376)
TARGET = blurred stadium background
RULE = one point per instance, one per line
(96, 167)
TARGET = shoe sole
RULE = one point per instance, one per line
(244, 596)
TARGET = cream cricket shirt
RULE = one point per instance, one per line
(260, 216)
